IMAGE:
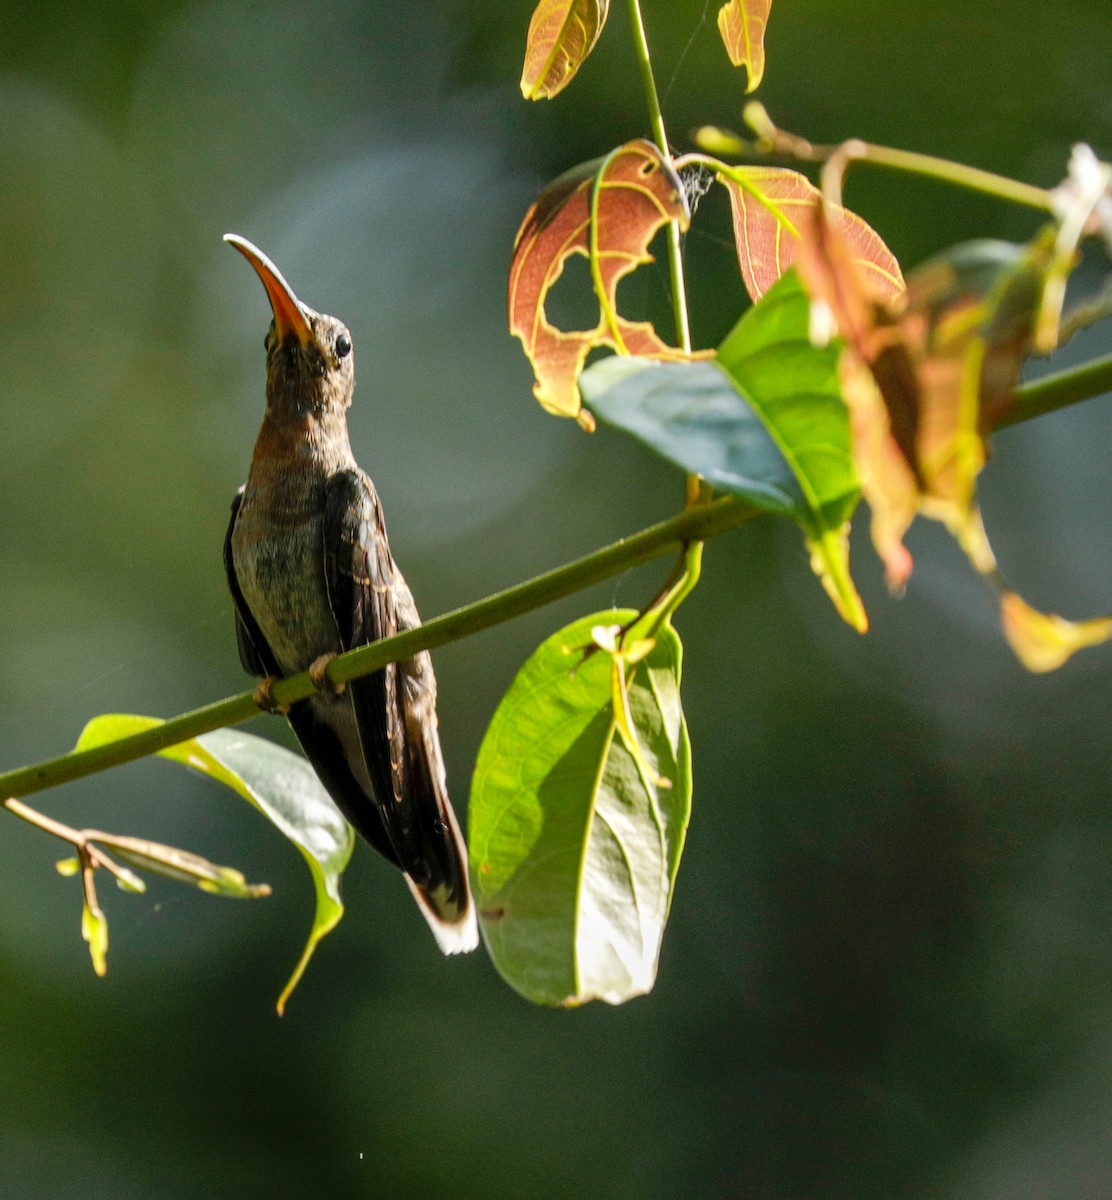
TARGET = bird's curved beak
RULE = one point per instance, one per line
(290, 315)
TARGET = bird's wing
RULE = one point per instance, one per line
(395, 708)
(254, 652)
(317, 739)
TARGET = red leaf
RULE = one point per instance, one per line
(769, 203)
(638, 192)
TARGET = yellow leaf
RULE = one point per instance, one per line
(742, 26)
(94, 929)
(1044, 641)
(561, 35)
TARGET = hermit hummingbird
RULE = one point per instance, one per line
(311, 575)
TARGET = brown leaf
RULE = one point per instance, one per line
(941, 365)
(926, 381)
(638, 192)
(742, 26)
(888, 481)
(561, 35)
(768, 206)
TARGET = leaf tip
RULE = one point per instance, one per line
(1044, 641)
(830, 562)
(94, 929)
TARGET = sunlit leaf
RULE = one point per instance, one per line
(94, 929)
(769, 205)
(128, 881)
(638, 192)
(742, 26)
(927, 375)
(764, 419)
(574, 847)
(1044, 641)
(561, 35)
(927, 379)
(183, 867)
(283, 787)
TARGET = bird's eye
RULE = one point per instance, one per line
(343, 346)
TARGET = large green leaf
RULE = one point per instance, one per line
(574, 843)
(764, 419)
(282, 786)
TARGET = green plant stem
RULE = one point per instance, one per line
(41, 821)
(780, 141)
(1060, 390)
(660, 136)
(81, 840)
(971, 178)
(693, 524)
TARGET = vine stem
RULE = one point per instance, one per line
(660, 136)
(1038, 397)
(838, 158)
(81, 840)
(692, 553)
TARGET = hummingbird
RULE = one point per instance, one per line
(311, 575)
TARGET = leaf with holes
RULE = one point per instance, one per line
(742, 26)
(561, 35)
(283, 787)
(637, 192)
(575, 845)
(764, 419)
(768, 204)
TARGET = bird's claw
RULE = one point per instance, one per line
(266, 701)
(318, 674)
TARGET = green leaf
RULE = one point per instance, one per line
(283, 787)
(180, 865)
(763, 419)
(574, 847)
(94, 929)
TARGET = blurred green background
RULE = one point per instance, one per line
(889, 966)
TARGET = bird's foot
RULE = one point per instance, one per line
(318, 674)
(266, 701)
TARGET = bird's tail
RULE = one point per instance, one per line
(442, 890)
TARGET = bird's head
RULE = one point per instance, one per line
(309, 359)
